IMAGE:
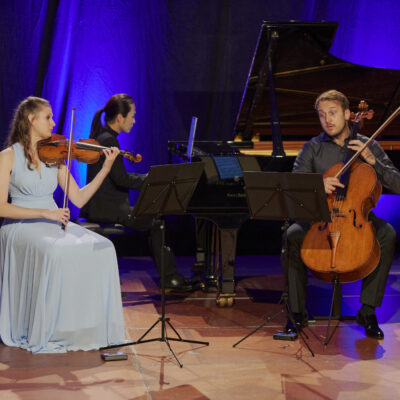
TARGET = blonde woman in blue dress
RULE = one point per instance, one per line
(59, 290)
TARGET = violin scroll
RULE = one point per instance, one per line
(363, 113)
(130, 157)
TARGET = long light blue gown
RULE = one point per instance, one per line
(59, 290)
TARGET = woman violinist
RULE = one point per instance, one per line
(317, 156)
(59, 290)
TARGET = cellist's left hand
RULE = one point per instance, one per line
(366, 154)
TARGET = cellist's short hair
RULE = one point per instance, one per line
(333, 95)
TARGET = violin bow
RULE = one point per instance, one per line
(67, 176)
(368, 142)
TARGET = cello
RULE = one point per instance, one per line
(347, 248)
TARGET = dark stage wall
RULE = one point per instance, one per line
(177, 58)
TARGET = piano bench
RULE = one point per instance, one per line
(106, 230)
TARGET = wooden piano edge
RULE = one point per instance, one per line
(292, 148)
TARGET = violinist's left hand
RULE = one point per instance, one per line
(366, 154)
(110, 156)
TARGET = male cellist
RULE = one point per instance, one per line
(316, 156)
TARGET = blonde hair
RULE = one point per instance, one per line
(20, 125)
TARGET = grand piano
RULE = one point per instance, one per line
(291, 66)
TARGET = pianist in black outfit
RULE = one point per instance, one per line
(317, 155)
(110, 204)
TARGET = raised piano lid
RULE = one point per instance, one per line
(297, 56)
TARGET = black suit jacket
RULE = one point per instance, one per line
(110, 204)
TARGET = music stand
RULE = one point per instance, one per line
(166, 190)
(285, 196)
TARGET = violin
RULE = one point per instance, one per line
(347, 247)
(56, 149)
(88, 151)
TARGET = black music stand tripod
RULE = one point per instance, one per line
(167, 190)
(289, 197)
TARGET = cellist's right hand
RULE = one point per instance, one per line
(331, 183)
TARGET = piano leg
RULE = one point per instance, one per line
(204, 270)
(219, 237)
(211, 279)
(226, 294)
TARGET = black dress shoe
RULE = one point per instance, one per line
(300, 322)
(177, 283)
(370, 324)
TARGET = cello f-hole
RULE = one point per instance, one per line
(355, 219)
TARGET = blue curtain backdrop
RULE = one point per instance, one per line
(177, 58)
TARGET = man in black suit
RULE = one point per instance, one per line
(110, 204)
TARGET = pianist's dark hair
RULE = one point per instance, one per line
(332, 95)
(117, 104)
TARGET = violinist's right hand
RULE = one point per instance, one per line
(60, 214)
(331, 183)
